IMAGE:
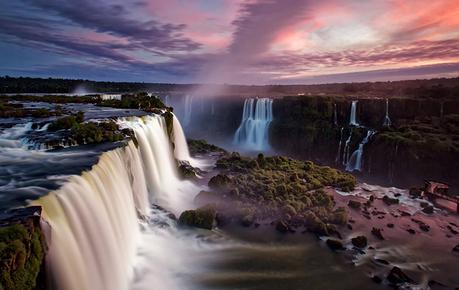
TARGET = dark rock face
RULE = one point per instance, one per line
(186, 171)
(283, 227)
(335, 245)
(354, 204)
(219, 182)
(396, 277)
(359, 241)
(456, 249)
(390, 201)
(202, 217)
(22, 250)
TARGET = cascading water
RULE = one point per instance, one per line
(335, 115)
(338, 155)
(252, 133)
(355, 161)
(387, 122)
(346, 148)
(94, 217)
(353, 116)
(187, 110)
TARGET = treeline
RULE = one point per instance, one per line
(432, 88)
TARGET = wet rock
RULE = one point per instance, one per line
(335, 245)
(397, 276)
(453, 231)
(186, 171)
(404, 213)
(428, 209)
(382, 261)
(390, 225)
(456, 249)
(359, 241)
(424, 227)
(389, 200)
(354, 204)
(377, 233)
(411, 231)
(247, 220)
(349, 226)
(376, 279)
(424, 204)
(415, 192)
(203, 217)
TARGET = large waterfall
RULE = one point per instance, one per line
(94, 217)
(387, 122)
(355, 161)
(253, 131)
(353, 116)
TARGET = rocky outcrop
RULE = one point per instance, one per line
(22, 250)
(203, 217)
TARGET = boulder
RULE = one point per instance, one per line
(377, 233)
(203, 217)
(335, 245)
(428, 209)
(390, 201)
(359, 241)
(397, 276)
(186, 171)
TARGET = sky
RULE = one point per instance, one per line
(230, 41)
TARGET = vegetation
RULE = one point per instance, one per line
(141, 101)
(21, 256)
(280, 188)
(202, 147)
(15, 110)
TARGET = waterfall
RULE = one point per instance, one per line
(187, 110)
(335, 115)
(94, 217)
(353, 118)
(253, 131)
(346, 148)
(339, 145)
(355, 162)
(387, 122)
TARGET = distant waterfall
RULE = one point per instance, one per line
(338, 155)
(353, 117)
(355, 161)
(253, 131)
(346, 148)
(187, 110)
(335, 115)
(94, 217)
(387, 122)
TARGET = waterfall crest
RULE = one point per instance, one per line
(353, 116)
(253, 131)
(387, 122)
(355, 161)
(94, 217)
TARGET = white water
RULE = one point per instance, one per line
(95, 230)
(338, 155)
(353, 117)
(10, 138)
(187, 110)
(346, 148)
(253, 131)
(355, 161)
(387, 122)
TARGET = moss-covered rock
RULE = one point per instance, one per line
(203, 217)
(22, 250)
(202, 147)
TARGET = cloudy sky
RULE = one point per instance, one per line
(232, 41)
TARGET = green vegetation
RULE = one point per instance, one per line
(202, 217)
(202, 147)
(21, 257)
(139, 101)
(281, 188)
(14, 110)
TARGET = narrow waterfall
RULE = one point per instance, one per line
(253, 131)
(94, 217)
(335, 115)
(187, 110)
(338, 155)
(387, 122)
(355, 161)
(346, 148)
(353, 117)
